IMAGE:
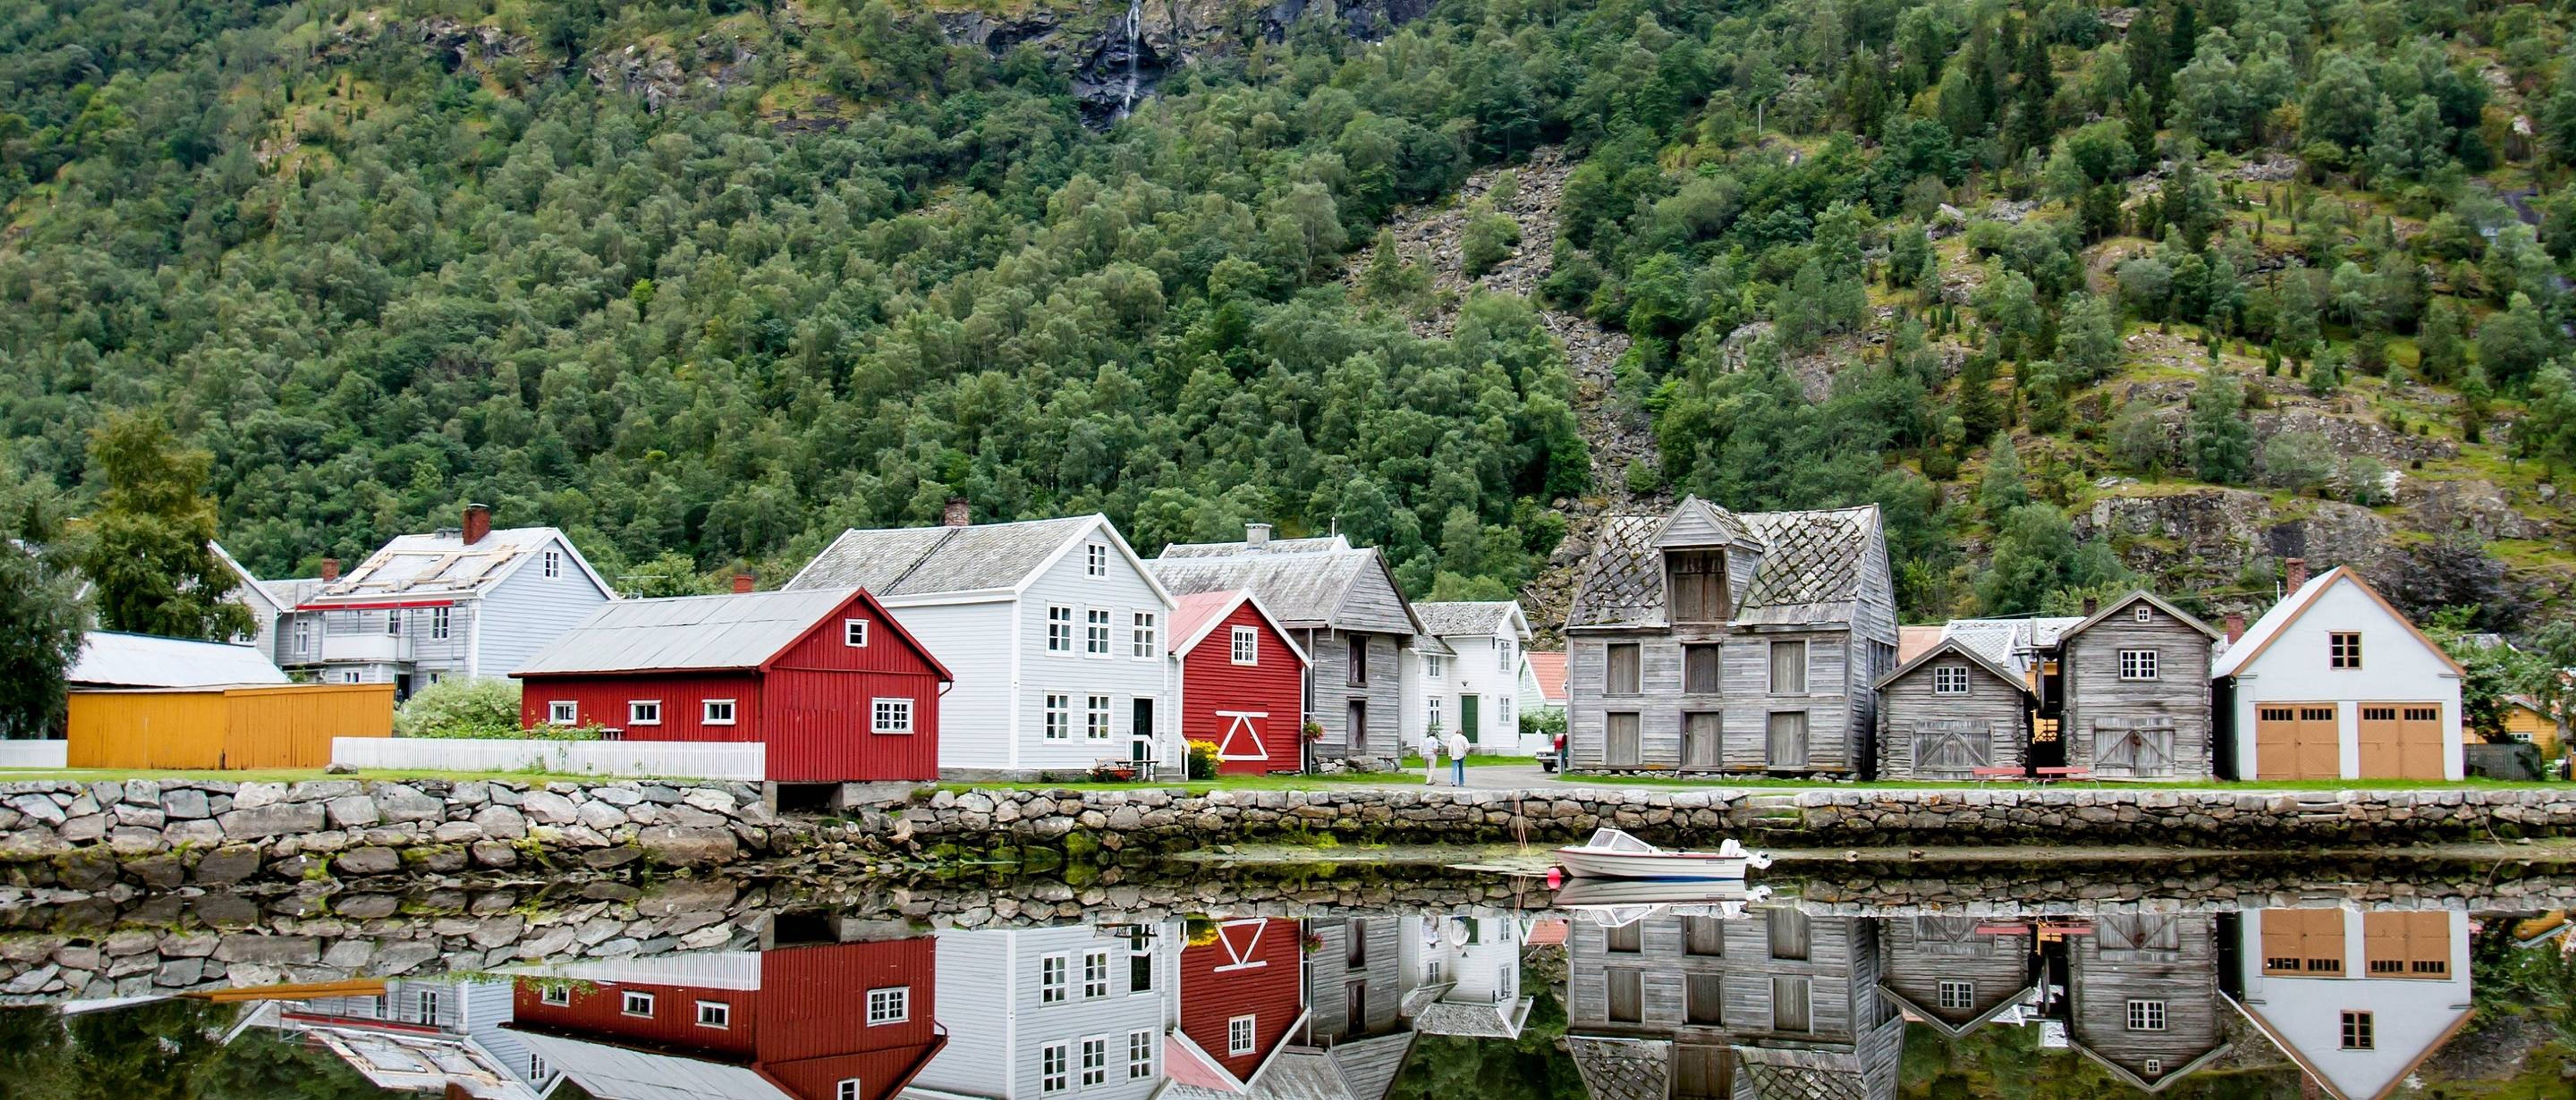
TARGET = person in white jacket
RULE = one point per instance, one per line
(1431, 758)
(1457, 746)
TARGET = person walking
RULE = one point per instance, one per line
(1457, 746)
(1431, 758)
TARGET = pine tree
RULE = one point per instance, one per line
(2222, 443)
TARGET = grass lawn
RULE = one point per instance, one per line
(285, 775)
(2471, 783)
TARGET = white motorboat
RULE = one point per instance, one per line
(1614, 854)
(1618, 901)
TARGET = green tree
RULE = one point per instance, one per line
(149, 547)
(2137, 437)
(2514, 343)
(2003, 488)
(2297, 460)
(2035, 554)
(1487, 241)
(2222, 443)
(2088, 339)
(41, 616)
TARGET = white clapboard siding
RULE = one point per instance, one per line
(33, 754)
(525, 613)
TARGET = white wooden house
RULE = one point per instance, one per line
(1474, 688)
(1466, 976)
(2333, 683)
(1053, 629)
(470, 601)
(2357, 999)
(1054, 1012)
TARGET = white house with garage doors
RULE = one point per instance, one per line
(2358, 999)
(2333, 683)
(1053, 628)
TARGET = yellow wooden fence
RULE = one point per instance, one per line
(206, 729)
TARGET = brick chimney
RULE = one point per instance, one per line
(478, 523)
(745, 582)
(2091, 605)
(2294, 573)
(330, 570)
(956, 515)
(1256, 534)
(2235, 627)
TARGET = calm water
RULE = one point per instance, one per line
(1619, 998)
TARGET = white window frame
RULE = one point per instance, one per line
(1247, 646)
(889, 1005)
(393, 622)
(1242, 1034)
(1055, 1067)
(2140, 664)
(438, 623)
(537, 1069)
(1140, 1054)
(716, 1015)
(303, 637)
(1095, 974)
(854, 633)
(1095, 1060)
(849, 1089)
(2142, 613)
(635, 711)
(429, 1003)
(557, 995)
(1095, 559)
(554, 563)
(1095, 717)
(636, 1002)
(890, 715)
(1432, 666)
(563, 712)
(1503, 655)
(1059, 628)
(1059, 717)
(1095, 631)
(1431, 711)
(707, 713)
(353, 676)
(2146, 1014)
(1055, 979)
(1966, 993)
(1950, 680)
(1144, 636)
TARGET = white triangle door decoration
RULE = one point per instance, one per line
(1242, 737)
(1242, 940)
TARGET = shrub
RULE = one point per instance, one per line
(1202, 759)
(482, 707)
(1543, 722)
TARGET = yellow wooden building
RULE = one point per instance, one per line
(222, 727)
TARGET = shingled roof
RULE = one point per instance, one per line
(897, 562)
(1478, 617)
(1305, 588)
(1811, 567)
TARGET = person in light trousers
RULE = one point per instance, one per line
(1431, 758)
(1457, 746)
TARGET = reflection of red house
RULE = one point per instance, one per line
(1242, 994)
(1243, 682)
(825, 679)
(843, 1022)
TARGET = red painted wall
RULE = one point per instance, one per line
(1212, 682)
(1217, 985)
(813, 708)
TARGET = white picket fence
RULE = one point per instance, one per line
(640, 759)
(30, 755)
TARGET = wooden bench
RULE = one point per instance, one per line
(2033, 775)
(1995, 775)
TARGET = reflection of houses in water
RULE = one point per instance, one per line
(850, 1021)
(1044, 1012)
(1355, 1041)
(1242, 993)
(425, 1035)
(1466, 977)
(2142, 996)
(1779, 1003)
(1955, 973)
(2357, 999)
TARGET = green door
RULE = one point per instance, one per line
(1467, 717)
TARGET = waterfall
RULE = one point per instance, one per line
(1135, 26)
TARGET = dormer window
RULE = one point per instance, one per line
(1695, 585)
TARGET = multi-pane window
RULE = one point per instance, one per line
(1142, 636)
(854, 633)
(1095, 974)
(2343, 649)
(1239, 1036)
(2137, 664)
(1140, 1055)
(892, 1005)
(890, 716)
(1052, 972)
(557, 995)
(715, 1014)
(1095, 718)
(1059, 630)
(1789, 668)
(563, 712)
(716, 712)
(1949, 679)
(1140, 964)
(1503, 656)
(2143, 614)
(1095, 1062)
(1095, 632)
(438, 623)
(537, 1068)
(636, 1004)
(554, 563)
(2146, 1015)
(1433, 666)
(303, 637)
(1095, 559)
(2357, 1032)
(429, 1002)
(1059, 717)
(393, 622)
(1431, 711)
(1054, 1071)
(1247, 646)
(849, 1090)
(644, 712)
(1958, 994)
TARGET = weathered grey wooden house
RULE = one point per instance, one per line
(1955, 973)
(1708, 640)
(1780, 1002)
(1950, 711)
(1342, 605)
(2136, 697)
(2142, 996)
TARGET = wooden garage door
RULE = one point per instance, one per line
(2297, 741)
(1949, 748)
(2401, 740)
(2407, 945)
(2305, 943)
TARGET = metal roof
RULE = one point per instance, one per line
(1809, 568)
(1480, 617)
(686, 633)
(441, 565)
(111, 659)
(914, 561)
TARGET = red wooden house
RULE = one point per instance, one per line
(1242, 682)
(1242, 995)
(833, 687)
(849, 1021)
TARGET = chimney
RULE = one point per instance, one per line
(744, 582)
(956, 514)
(2294, 573)
(330, 570)
(2235, 627)
(1256, 535)
(478, 523)
(2091, 605)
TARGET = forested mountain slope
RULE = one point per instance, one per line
(2073, 291)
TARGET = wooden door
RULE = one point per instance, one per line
(1704, 997)
(1786, 746)
(2400, 740)
(2407, 945)
(2133, 747)
(1949, 748)
(1702, 1071)
(1703, 936)
(1789, 931)
(2303, 943)
(1467, 717)
(1627, 995)
(1789, 1005)
(1702, 740)
(1621, 750)
(1358, 719)
(2298, 741)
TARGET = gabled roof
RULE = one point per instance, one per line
(739, 631)
(1482, 618)
(1316, 544)
(440, 566)
(2348, 1089)
(2011, 643)
(1547, 666)
(1304, 589)
(1955, 647)
(2114, 607)
(1432, 1014)
(1931, 1018)
(2130, 1078)
(111, 659)
(253, 590)
(913, 564)
(1695, 522)
(1810, 569)
(1621, 1069)
(1199, 614)
(2260, 636)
